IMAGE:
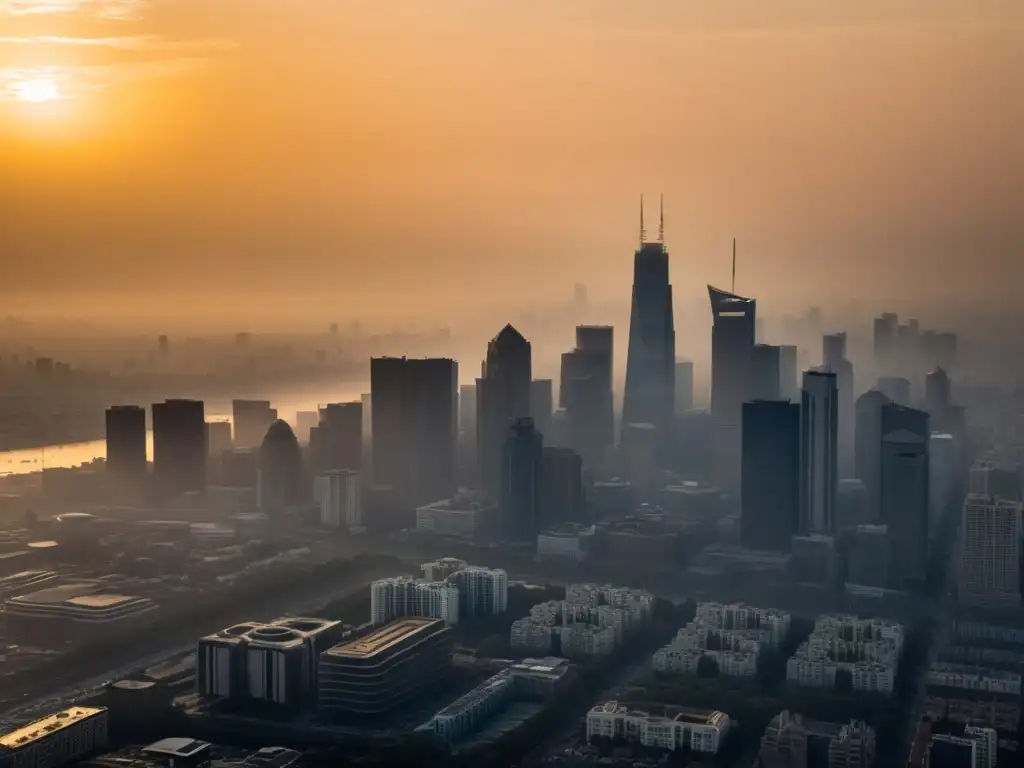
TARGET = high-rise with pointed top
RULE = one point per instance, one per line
(651, 355)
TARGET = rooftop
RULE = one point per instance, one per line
(100, 601)
(47, 725)
(384, 638)
(177, 747)
(55, 595)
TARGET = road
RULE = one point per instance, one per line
(64, 689)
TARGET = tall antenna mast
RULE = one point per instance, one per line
(734, 265)
(643, 232)
(661, 220)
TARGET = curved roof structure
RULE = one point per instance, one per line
(726, 300)
(280, 430)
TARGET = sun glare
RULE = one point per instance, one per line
(36, 90)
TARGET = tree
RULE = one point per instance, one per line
(492, 646)
(707, 666)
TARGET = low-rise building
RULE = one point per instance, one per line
(789, 739)
(699, 731)
(970, 678)
(55, 739)
(461, 517)
(570, 541)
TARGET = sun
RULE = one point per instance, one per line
(36, 90)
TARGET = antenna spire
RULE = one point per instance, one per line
(734, 265)
(643, 232)
(661, 219)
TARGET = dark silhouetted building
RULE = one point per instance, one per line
(765, 372)
(884, 342)
(588, 405)
(179, 446)
(280, 479)
(937, 392)
(414, 421)
(732, 340)
(895, 388)
(789, 386)
(218, 438)
(521, 481)
(819, 453)
(252, 419)
(337, 441)
(467, 410)
(599, 342)
(834, 359)
(542, 405)
(771, 474)
(503, 395)
(868, 449)
(561, 488)
(126, 445)
(684, 387)
(651, 356)
(903, 492)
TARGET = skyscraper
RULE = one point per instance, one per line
(598, 341)
(937, 392)
(651, 356)
(179, 446)
(834, 359)
(503, 395)
(414, 421)
(788, 386)
(542, 405)
(905, 506)
(990, 552)
(732, 341)
(521, 481)
(587, 400)
(765, 372)
(280, 478)
(771, 474)
(337, 441)
(819, 449)
(561, 494)
(885, 342)
(251, 418)
(868, 449)
(684, 387)
(896, 388)
(126, 445)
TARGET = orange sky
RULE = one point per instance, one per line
(405, 155)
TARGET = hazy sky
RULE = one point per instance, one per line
(398, 155)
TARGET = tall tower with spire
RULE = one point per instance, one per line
(650, 357)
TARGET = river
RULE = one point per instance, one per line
(27, 460)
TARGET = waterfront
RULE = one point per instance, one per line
(28, 460)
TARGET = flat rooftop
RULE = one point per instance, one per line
(47, 725)
(56, 595)
(386, 637)
(101, 601)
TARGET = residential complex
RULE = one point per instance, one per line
(404, 596)
(867, 651)
(697, 731)
(732, 635)
(792, 741)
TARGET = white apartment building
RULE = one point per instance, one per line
(678, 661)
(866, 649)
(736, 616)
(697, 731)
(441, 569)
(530, 635)
(338, 493)
(637, 602)
(470, 711)
(972, 678)
(482, 591)
(404, 596)
(989, 573)
(586, 640)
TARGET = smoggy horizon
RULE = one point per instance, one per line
(228, 159)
